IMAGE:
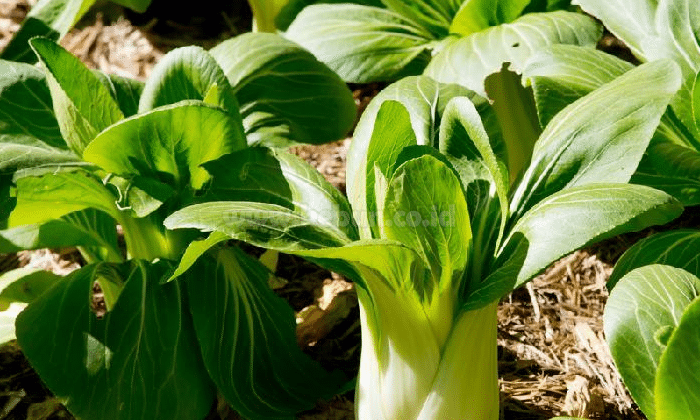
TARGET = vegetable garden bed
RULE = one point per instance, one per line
(552, 356)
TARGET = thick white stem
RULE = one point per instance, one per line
(466, 385)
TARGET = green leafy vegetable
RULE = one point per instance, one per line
(84, 153)
(440, 241)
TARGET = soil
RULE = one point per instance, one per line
(552, 355)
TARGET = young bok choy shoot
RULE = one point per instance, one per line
(81, 153)
(438, 233)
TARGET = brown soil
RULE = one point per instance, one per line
(552, 356)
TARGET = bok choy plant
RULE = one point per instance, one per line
(442, 234)
(82, 153)
(652, 323)
(667, 30)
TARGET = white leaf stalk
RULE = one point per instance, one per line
(410, 370)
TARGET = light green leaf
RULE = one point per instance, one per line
(241, 326)
(677, 248)
(477, 15)
(189, 73)
(561, 74)
(25, 105)
(276, 177)
(484, 52)
(553, 228)
(141, 361)
(391, 134)
(464, 140)
(630, 20)
(47, 197)
(166, 145)
(265, 225)
(86, 228)
(646, 305)
(677, 386)
(19, 287)
(83, 105)
(425, 209)
(284, 93)
(425, 101)
(580, 145)
(695, 104)
(363, 43)
(293, 7)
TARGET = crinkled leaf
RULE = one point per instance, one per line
(363, 43)
(677, 382)
(285, 93)
(276, 177)
(25, 105)
(425, 100)
(241, 326)
(642, 311)
(554, 228)
(83, 105)
(264, 225)
(51, 196)
(141, 361)
(166, 145)
(484, 52)
(677, 248)
(580, 145)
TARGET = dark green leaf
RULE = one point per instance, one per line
(25, 105)
(126, 92)
(285, 94)
(18, 49)
(475, 16)
(141, 361)
(248, 341)
(87, 228)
